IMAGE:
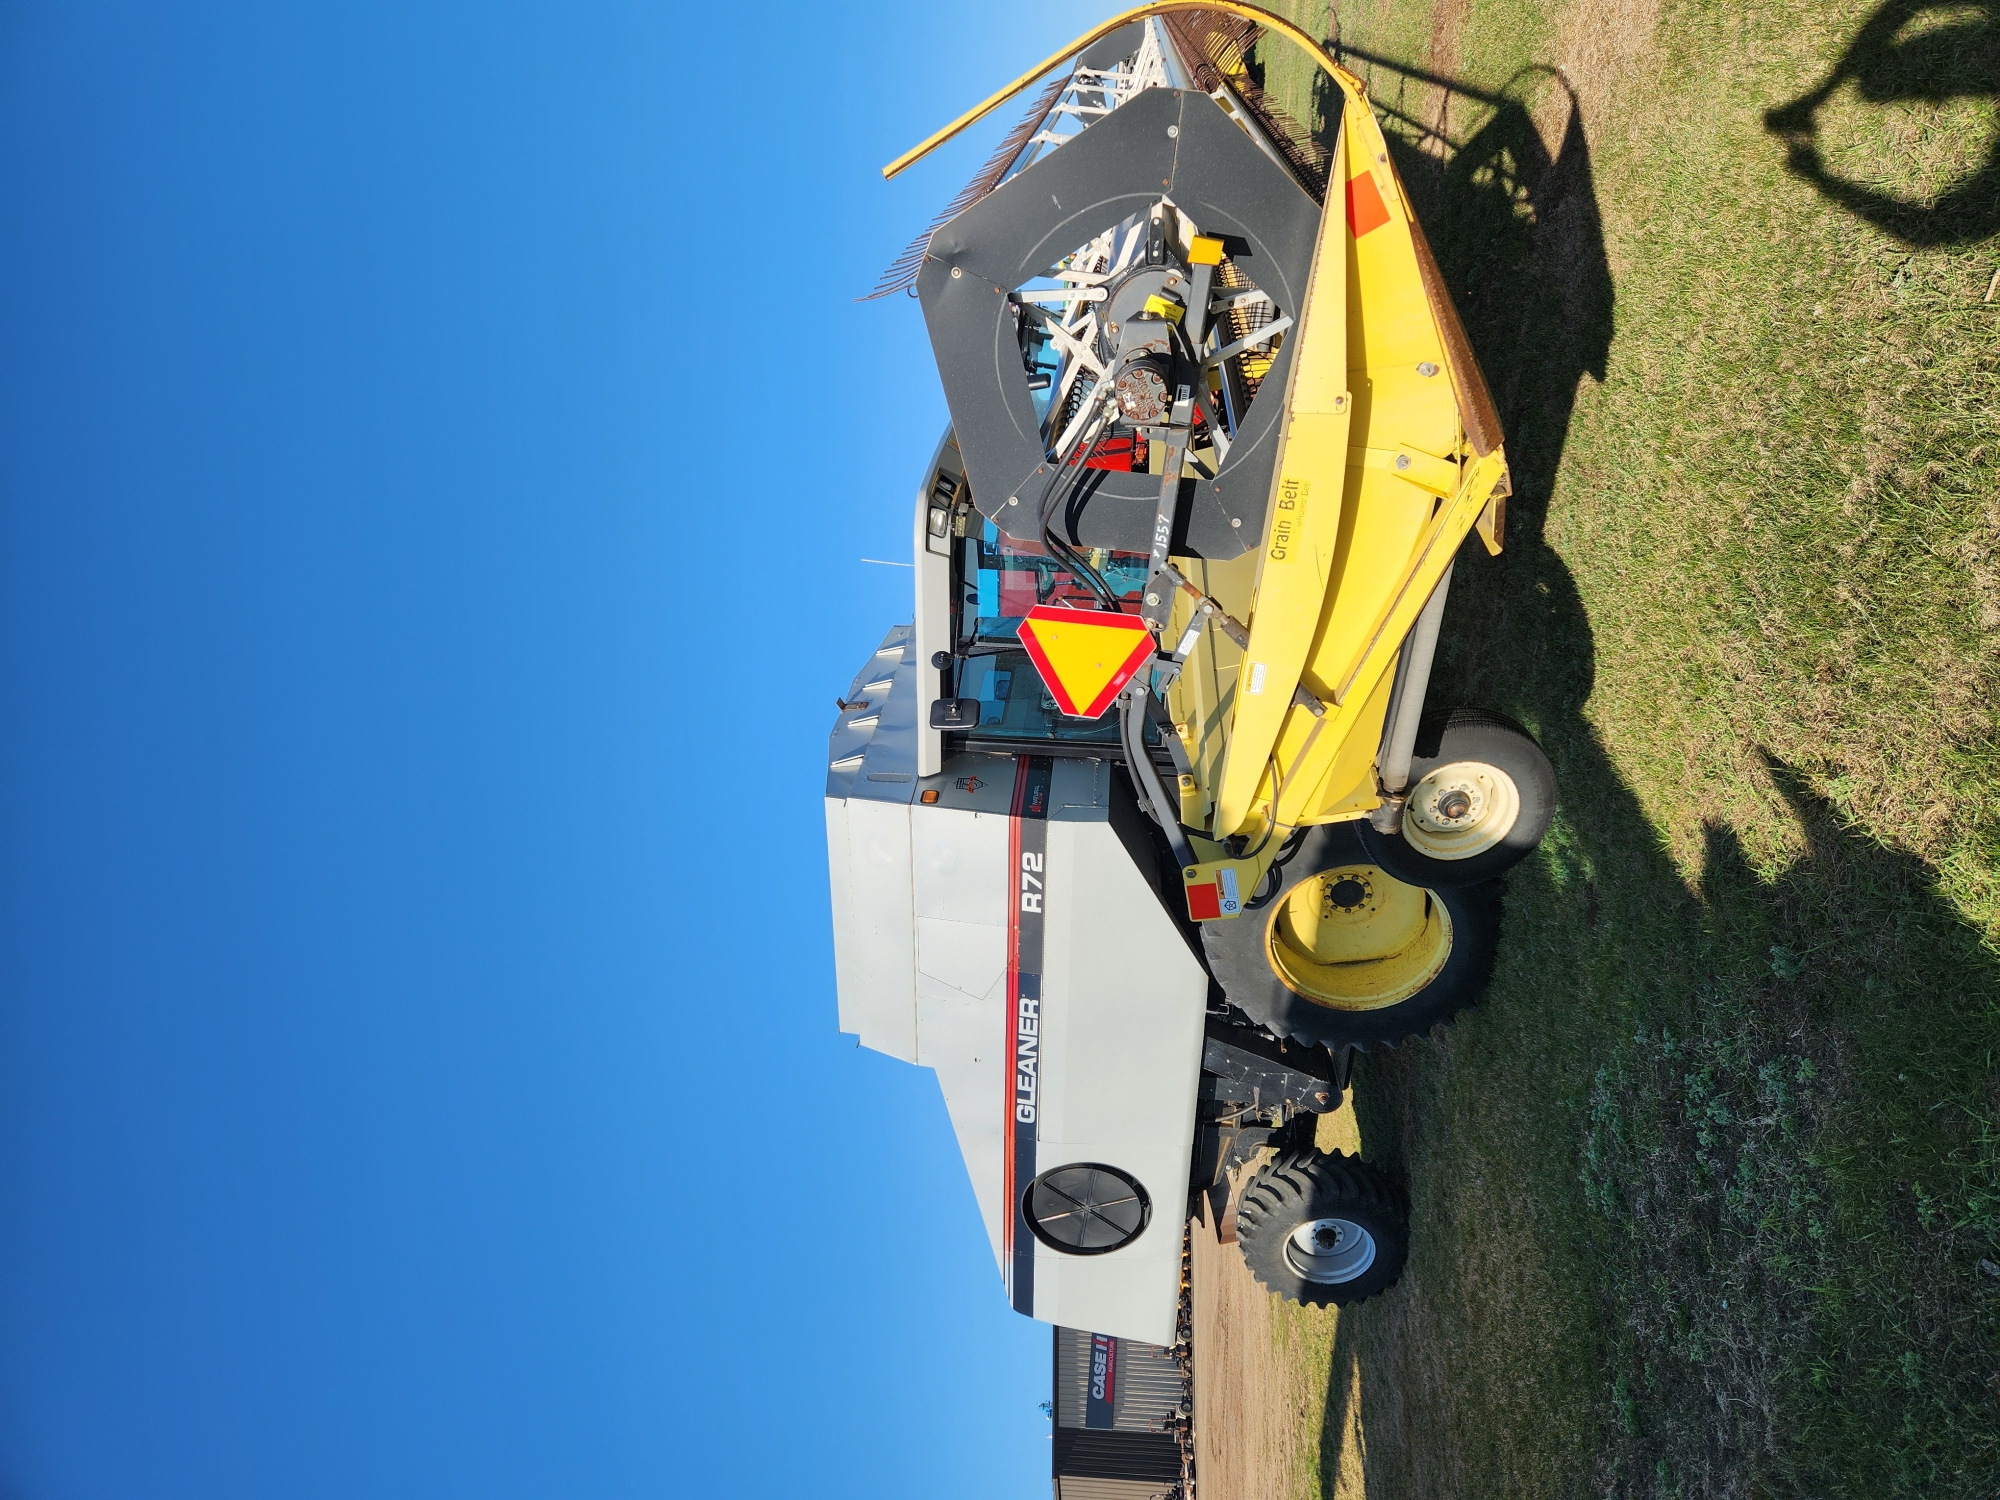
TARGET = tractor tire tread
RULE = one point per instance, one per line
(1301, 1185)
(1238, 961)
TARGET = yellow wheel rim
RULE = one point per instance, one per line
(1461, 810)
(1356, 938)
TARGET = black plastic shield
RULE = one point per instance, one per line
(1119, 167)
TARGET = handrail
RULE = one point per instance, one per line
(1349, 82)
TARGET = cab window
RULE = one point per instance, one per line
(999, 580)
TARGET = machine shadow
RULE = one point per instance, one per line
(1515, 226)
(1603, 930)
(1895, 58)
(1517, 234)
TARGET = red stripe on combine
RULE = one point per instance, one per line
(1010, 1211)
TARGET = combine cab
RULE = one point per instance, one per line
(1143, 825)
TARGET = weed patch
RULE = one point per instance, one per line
(1698, 1162)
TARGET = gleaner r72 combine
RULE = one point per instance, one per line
(1141, 825)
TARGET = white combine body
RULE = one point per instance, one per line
(970, 914)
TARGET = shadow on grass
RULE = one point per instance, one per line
(1791, 1174)
(1909, 51)
(1458, 1380)
(1542, 1335)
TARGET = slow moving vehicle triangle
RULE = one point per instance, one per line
(1085, 656)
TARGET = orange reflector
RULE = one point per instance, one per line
(1084, 655)
(928, 797)
(1365, 208)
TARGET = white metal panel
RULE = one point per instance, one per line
(1133, 1293)
(962, 872)
(839, 880)
(877, 964)
(933, 622)
(1122, 1012)
(962, 889)
(1123, 1002)
(964, 1041)
(969, 957)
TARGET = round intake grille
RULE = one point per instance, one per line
(1086, 1208)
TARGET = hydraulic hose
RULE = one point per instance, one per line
(1145, 775)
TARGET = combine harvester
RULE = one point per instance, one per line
(1142, 824)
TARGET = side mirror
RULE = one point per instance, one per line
(955, 713)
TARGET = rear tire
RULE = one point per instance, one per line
(1323, 1230)
(1258, 961)
(1481, 796)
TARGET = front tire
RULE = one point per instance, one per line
(1323, 1230)
(1480, 798)
(1343, 954)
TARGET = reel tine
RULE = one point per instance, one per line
(903, 270)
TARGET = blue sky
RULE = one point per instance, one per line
(435, 449)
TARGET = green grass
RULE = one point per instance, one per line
(1741, 1044)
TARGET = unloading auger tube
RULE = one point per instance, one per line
(1147, 793)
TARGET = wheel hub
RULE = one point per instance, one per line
(1346, 895)
(1330, 1251)
(1356, 938)
(1460, 810)
(1454, 805)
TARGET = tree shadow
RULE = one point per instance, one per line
(1887, 64)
